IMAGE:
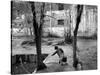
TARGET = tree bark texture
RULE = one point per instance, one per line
(79, 9)
(37, 32)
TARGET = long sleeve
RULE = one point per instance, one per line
(54, 53)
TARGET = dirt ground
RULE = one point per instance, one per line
(87, 53)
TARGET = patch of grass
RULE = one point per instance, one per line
(28, 43)
(93, 37)
(53, 36)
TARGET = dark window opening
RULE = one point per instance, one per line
(60, 7)
(61, 22)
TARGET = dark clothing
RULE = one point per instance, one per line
(64, 59)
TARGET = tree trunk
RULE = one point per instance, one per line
(40, 64)
(30, 31)
(78, 19)
(68, 38)
(37, 32)
(74, 51)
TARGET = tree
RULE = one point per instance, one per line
(79, 9)
(68, 37)
(37, 31)
(22, 9)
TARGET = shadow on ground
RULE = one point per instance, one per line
(28, 62)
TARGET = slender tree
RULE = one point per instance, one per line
(68, 37)
(79, 9)
(37, 33)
